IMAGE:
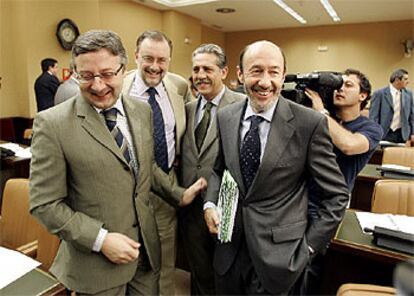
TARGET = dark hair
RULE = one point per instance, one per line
(364, 84)
(153, 35)
(398, 74)
(46, 63)
(243, 52)
(95, 40)
(212, 49)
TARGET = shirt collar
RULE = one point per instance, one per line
(267, 115)
(118, 105)
(141, 87)
(216, 100)
(393, 89)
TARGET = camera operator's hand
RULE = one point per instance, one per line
(317, 103)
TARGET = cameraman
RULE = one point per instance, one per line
(355, 138)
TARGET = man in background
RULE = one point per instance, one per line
(166, 93)
(91, 172)
(270, 146)
(393, 108)
(200, 148)
(68, 89)
(46, 84)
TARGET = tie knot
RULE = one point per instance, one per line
(208, 106)
(110, 114)
(255, 121)
(151, 91)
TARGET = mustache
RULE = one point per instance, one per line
(200, 81)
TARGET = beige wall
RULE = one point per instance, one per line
(28, 35)
(373, 48)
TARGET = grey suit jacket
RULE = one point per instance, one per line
(197, 164)
(382, 111)
(272, 215)
(80, 182)
(67, 90)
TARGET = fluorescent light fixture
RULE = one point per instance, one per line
(289, 10)
(181, 3)
(331, 11)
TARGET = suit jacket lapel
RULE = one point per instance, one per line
(94, 124)
(279, 134)
(230, 129)
(191, 112)
(212, 131)
(388, 98)
(175, 99)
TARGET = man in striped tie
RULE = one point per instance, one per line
(91, 173)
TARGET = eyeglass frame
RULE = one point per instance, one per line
(111, 74)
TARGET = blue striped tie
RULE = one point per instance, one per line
(110, 119)
(160, 142)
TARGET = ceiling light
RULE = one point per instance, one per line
(289, 10)
(225, 10)
(331, 11)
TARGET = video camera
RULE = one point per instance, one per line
(323, 82)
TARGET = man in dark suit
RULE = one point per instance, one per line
(200, 148)
(393, 108)
(271, 147)
(47, 84)
(92, 169)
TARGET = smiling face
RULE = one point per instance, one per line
(263, 74)
(207, 75)
(153, 60)
(98, 92)
(349, 94)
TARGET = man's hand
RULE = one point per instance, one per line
(317, 103)
(212, 220)
(188, 196)
(119, 248)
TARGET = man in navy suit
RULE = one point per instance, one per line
(47, 84)
(393, 108)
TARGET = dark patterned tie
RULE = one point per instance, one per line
(202, 127)
(250, 152)
(160, 142)
(110, 119)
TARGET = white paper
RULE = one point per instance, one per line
(395, 222)
(396, 167)
(18, 150)
(388, 143)
(14, 265)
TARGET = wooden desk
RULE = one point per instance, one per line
(12, 167)
(36, 282)
(376, 158)
(353, 258)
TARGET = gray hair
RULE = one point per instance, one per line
(212, 49)
(398, 74)
(96, 40)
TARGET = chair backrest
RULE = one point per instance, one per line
(47, 247)
(399, 155)
(364, 290)
(18, 227)
(394, 197)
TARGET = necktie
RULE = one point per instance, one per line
(160, 142)
(250, 152)
(396, 119)
(110, 119)
(202, 127)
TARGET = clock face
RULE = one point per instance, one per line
(67, 32)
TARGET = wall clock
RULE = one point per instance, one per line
(66, 33)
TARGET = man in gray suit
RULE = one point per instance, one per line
(91, 173)
(200, 148)
(393, 108)
(152, 55)
(271, 146)
(68, 89)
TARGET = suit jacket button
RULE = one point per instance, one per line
(135, 225)
(199, 167)
(126, 168)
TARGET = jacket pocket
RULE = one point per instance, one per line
(289, 232)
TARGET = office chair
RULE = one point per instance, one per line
(399, 155)
(18, 229)
(394, 197)
(364, 290)
(47, 247)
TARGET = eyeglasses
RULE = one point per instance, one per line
(87, 77)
